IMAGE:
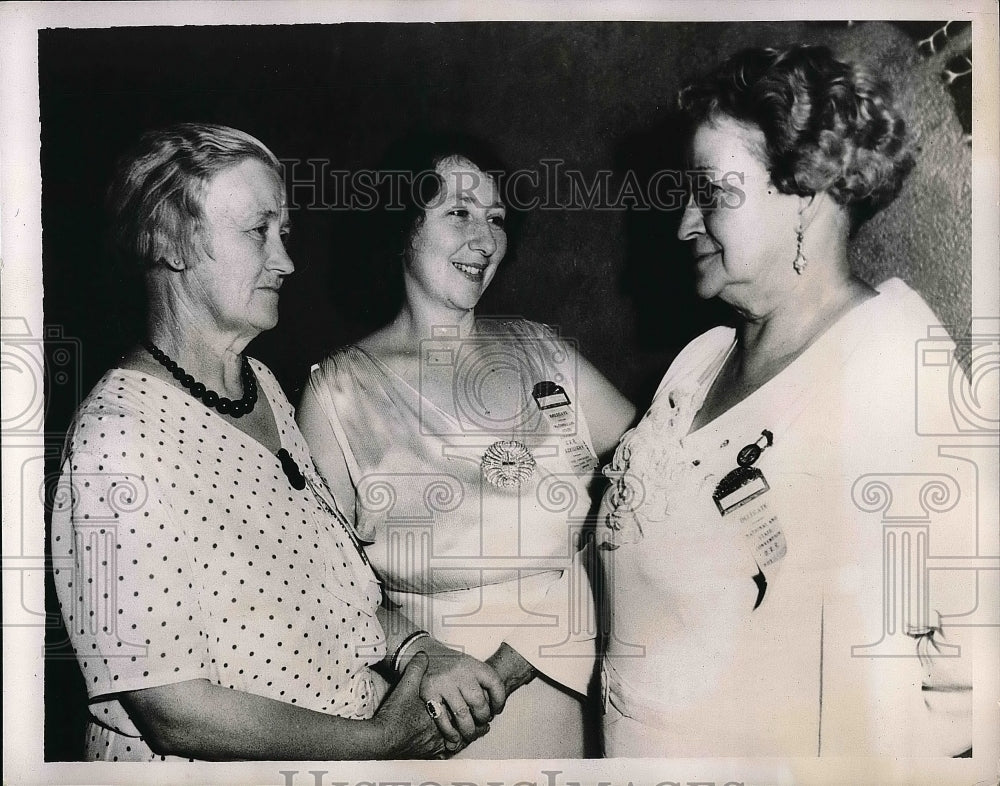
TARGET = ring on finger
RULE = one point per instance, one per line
(434, 708)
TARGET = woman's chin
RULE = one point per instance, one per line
(706, 288)
(265, 322)
(466, 301)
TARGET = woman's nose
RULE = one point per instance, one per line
(692, 222)
(483, 240)
(279, 260)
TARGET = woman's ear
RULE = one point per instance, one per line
(810, 206)
(169, 256)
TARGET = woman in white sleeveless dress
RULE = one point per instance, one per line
(465, 446)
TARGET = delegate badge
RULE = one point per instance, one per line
(555, 405)
(740, 494)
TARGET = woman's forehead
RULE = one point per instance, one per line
(248, 187)
(464, 180)
(723, 143)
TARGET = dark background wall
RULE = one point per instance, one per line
(594, 95)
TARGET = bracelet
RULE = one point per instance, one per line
(408, 642)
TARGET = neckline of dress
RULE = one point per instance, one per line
(886, 290)
(388, 371)
(262, 381)
(265, 382)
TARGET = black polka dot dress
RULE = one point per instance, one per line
(181, 551)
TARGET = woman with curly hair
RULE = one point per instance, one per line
(729, 527)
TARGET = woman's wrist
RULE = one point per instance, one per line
(407, 648)
(512, 667)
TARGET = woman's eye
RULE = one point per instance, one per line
(709, 197)
(498, 221)
(260, 232)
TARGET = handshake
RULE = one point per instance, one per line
(444, 700)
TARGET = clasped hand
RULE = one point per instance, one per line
(468, 693)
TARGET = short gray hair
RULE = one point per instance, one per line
(156, 200)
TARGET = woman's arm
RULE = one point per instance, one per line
(513, 669)
(197, 719)
(325, 448)
(608, 412)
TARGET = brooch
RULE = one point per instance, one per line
(507, 463)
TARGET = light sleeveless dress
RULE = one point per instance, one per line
(474, 564)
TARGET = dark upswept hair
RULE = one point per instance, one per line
(828, 125)
(156, 199)
(414, 160)
(407, 184)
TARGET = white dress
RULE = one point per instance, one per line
(692, 667)
(182, 552)
(474, 564)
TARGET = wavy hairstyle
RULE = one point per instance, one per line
(413, 160)
(408, 182)
(156, 199)
(828, 125)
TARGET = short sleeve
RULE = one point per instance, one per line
(124, 578)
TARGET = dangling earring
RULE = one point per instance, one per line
(800, 262)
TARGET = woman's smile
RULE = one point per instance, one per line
(471, 272)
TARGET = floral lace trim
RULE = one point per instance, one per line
(649, 471)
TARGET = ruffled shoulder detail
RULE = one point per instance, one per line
(649, 463)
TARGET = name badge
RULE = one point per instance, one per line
(554, 403)
(741, 495)
(742, 485)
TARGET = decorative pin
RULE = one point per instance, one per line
(291, 470)
(759, 524)
(507, 464)
(749, 454)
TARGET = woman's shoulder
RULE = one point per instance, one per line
(381, 343)
(122, 403)
(888, 327)
(335, 363)
(122, 393)
(515, 327)
(902, 310)
(697, 356)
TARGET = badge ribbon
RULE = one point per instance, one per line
(555, 405)
(761, 529)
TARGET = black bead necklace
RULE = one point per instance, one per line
(210, 398)
(235, 409)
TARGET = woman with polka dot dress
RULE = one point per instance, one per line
(217, 600)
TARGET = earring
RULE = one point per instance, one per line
(800, 262)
